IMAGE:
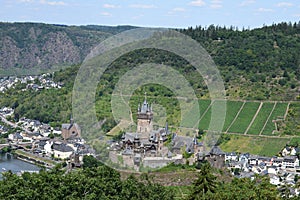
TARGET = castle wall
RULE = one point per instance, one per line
(144, 126)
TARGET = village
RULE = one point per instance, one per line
(146, 149)
(40, 141)
(38, 82)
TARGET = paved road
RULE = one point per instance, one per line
(13, 124)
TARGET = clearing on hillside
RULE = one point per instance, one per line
(254, 145)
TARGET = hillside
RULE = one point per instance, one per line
(34, 46)
(265, 60)
(261, 80)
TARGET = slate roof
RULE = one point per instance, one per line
(66, 126)
(62, 147)
(127, 152)
(18, 136)
(230, 154)
(216, 151)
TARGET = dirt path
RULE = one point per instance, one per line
(197, 124)
(287, 110)
(236, 116)
(268, 118)
(260, 105)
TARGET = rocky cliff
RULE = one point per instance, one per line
(34, 45)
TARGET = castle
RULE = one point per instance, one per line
(146, 147)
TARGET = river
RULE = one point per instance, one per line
(15, 165)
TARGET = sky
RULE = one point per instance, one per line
(152, 13)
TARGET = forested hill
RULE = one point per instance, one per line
(258, 50)
(270, 48)
(36, 45)
(261, 64)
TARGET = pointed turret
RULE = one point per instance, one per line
(145, 116)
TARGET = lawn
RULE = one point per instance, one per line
(254, 145)
(278, 112)
(244, 118)
(261, 118)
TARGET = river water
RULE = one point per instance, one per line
(15, 165)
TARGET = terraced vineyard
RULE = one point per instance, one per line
(253, 118)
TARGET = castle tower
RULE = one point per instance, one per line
(160, 142)
(144, 118)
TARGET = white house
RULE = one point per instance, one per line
(290, 162)
(62, 150)
(231, 156)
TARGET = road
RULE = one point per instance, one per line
(13, 124)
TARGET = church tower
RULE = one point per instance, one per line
(144, 118)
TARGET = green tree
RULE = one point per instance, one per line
(205, 185)
(90, 161)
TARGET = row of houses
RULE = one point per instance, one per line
(6, 111)
(44, 81)
(281, 170)
(67, 146)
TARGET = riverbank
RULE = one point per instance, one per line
(35, 159)
(16, 166)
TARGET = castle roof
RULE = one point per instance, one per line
(216, 151)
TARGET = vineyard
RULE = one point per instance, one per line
(246, 117)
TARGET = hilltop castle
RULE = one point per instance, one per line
(146, 147)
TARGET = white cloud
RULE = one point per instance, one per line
(106, 14)
(143, 6)
(284, 4)
(265, 10)
(110, 6)
(216, 1)
(175, 11)
(197, 3)
(178, 10)
(216, 4)
(247, 2)
(53, 3)
(26, 1)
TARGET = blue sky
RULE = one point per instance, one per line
(153, 13)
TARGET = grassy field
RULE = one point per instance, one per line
(254, 145)
(278, 112)
(262, 116)
(233, 108)
(180, 192)
(203, 105)
(205, 119)
(244, 118)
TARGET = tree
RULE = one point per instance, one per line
(205, 185)
(90, 162)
